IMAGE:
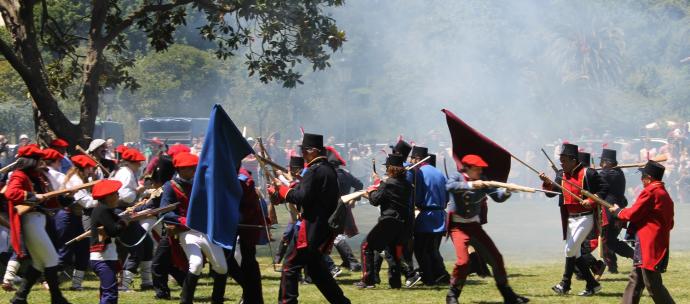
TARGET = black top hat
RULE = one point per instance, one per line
(608, 155)
(419, 151)
(312, 141)
(402, 148)
(654, 170)
(432, 159)
(394, 160)
(584, 158)
(164, 170)
(569, 150)
(296, 162)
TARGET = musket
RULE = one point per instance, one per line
(353, 196)
(137, 216)
(8, 167)
(445, 167)
(577, 197)
(373, 165)
(27, 206)
(271, 163)
(272, 215)
(658, 158)
(515, 187)
(553, 166)
(417, 164)
(584, 192)
(155, 194)
(105, 170)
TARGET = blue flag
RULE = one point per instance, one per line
(214, 205)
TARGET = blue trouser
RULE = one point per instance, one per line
(107, 273)
(69, 226)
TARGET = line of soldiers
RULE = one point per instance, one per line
(418, 206)
(114, 227)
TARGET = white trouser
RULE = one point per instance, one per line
(147, 223)
(4, 239)
(196, 245)
(39, 245)
(578, 230)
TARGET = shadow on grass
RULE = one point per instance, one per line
(614, 280)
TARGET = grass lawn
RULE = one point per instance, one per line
(530, 279)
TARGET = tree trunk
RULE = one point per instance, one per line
(25, 58)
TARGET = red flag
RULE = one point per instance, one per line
(467, 140)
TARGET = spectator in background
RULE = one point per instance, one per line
(23, 140)
(110, 148)
(5, 156)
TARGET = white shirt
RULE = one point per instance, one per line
(83, 196)
(128, 191)
(56, 178)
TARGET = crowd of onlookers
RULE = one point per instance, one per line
(674, 146)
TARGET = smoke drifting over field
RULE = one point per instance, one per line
(518, 70)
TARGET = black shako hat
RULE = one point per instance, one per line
(654, 170)
(394, 160)
(432, 159)
(419, 151)
(296, 162)
(569, 150)
(402, 148)
(584, 158)
(312, 141)
(608, 155)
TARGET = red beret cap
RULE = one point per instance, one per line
(59, 143)
(474, 160)
(177, 148)
(83, 161)
(185, 159)
(133, 155)
(51, 154)
(121, 149)
(30, 151)
(104, 188)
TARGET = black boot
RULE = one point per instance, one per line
(218, 294)
(510, 297)
(51, 276)
(453, 295)
(282, 249)
(22, 293)
(564, 286)
(592, 285)
(349, 259)
(188, 289)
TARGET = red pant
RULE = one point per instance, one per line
(464, 235)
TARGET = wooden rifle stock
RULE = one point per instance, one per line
(27, 206)
(8, 167)
(658, 158)
(417, 164)
(270, 163)
(105, 170)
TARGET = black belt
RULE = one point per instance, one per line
(571, 215)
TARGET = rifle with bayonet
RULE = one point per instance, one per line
(134, 217)
(584, 192)
(26, 206)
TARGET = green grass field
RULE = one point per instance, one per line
(531, 279)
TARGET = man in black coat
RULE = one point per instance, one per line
(317, 197)
(616, 195)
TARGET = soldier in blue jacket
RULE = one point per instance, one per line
(430, 199)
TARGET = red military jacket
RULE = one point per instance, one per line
(652, 214)
(20, 187)
(251, 211)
